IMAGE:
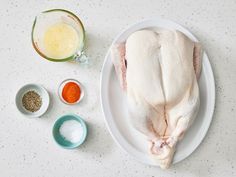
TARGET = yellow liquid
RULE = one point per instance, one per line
(60, 41)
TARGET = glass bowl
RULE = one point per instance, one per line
(61, 86)
(47, 18)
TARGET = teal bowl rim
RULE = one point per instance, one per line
(59, 122)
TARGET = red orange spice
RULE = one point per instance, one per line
(71, 92)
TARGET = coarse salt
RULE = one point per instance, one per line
(71, 130)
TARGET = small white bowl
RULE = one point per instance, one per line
(61, 86)
(43, 94)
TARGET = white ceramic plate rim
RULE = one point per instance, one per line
(104, 79)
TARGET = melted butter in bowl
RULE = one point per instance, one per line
(60, 41)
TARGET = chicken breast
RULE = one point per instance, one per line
(158, 69)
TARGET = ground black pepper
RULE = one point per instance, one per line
(32, 101)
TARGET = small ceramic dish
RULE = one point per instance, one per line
(38, 89)
(61, 86)
(60, 140)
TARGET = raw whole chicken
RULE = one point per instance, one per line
(158, 70)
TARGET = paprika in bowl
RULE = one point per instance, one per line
(71, 91)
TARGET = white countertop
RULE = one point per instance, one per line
(26, 145)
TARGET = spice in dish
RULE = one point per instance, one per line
(71, 92)
(32, 101)
(72, 131)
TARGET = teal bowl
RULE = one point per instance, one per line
(60, 140)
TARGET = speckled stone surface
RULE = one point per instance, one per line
(26, 145)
